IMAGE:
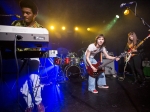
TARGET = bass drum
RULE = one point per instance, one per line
(72, 71)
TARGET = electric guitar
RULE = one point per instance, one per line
(129, 53)
(100, 67)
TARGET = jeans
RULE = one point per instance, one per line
(101, 80)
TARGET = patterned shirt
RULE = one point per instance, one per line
(23, 24)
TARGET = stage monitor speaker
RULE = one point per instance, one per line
(110, 68)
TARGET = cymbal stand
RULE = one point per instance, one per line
(61, 74)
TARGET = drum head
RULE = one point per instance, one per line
(72, 71)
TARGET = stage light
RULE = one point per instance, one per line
(126, 12)
(76, 28)
(117, 16)
(63, 28)
(52, 27)
(88, 29)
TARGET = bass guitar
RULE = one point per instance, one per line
(129, 53)
(100, 67)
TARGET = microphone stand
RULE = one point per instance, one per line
(143, 21)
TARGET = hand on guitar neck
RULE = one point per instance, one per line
(134, 49)
(96, 69)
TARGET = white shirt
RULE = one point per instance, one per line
(94, 50)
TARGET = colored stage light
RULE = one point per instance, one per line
(52, 27)
(63, 28)
(88, 29)
(76, 28)
(126, 12)
(117, 16)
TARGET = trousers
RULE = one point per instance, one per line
(31, 88)
(101, 79)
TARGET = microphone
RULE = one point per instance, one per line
(126, 4)
(18, 16)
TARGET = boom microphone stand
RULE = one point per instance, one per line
(136, 15)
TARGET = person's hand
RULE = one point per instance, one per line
(117, 59)
(94, 69)
(134, 50)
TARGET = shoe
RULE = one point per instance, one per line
(104, 86)
(29, 109)
(41, 108)
(94, 91)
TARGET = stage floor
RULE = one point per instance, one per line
(73, 96)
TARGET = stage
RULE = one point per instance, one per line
(73, 96)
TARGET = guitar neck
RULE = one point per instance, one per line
(141, 42)
(104, 64)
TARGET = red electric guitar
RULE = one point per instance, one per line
(100, 67)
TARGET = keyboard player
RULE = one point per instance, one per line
(29, 13)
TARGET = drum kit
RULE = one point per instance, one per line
(69, 64)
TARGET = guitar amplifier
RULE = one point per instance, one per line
(110, 68)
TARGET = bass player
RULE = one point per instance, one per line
(91, 51)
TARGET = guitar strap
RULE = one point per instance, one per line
(101, 59)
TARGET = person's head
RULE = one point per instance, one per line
(132, 38)
(100, 40)
(29, 10)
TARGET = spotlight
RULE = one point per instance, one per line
(126, 12)
(117, 16)
(52, 27)
(76, 28)
(63, 28)
(88, 29)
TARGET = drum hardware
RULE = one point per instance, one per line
(60, 74)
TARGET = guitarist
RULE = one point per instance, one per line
(135, 60)
(91, 51)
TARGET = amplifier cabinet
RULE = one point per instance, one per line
(110, 68)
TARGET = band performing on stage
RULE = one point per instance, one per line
(44, 70)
